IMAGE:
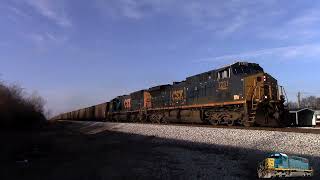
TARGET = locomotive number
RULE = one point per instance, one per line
(223, 85)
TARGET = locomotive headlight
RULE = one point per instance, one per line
(264, 78)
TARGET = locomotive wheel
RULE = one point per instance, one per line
(230, 123)
(111, 118)
(248, 124)
(140, 118)
(214, 122)
(164, 120)
(128, 119)
(135, 118)
(158, 119)
(152, 118)
(131, 118)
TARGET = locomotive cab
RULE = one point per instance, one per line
(258, 85)
(244, 85)
(265, 105)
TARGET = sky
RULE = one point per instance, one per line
(81, 53)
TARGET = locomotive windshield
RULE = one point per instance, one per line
(246, 68)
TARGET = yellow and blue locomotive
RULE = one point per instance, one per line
(281, 165)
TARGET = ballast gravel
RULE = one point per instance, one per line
(270, 141)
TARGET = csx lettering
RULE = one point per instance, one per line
(127, 103)
(177, 95)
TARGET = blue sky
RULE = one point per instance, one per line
(79, 53)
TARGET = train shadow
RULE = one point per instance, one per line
(231, 158)
(97, 151)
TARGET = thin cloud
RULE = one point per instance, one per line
(236, 23)
(301, 27)
(219, 17)
(308, 18)
(41, 40)
(55, 38)
(37, 38)
(284, 53)
(223, 18)
(47, 9)
(130, 9)
(18, 12)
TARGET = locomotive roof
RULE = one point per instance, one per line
(179, 82)
(155, 88)
(238, 63)
(278, 154)
(140, 91)
(226, 66)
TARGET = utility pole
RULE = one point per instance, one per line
(299, 99)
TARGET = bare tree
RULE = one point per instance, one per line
(37, 102)
(310, 102)
(318, 103)
(292, 105)
(18, 109)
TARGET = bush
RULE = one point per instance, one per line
(19, 110)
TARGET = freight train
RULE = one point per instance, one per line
(237, 94)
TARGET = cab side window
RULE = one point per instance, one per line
(224, 74)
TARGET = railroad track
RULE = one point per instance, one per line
(286, 129)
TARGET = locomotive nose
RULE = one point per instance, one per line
(270, 86)
(267, 78)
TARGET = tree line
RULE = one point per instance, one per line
(18, 109)
(311, 102)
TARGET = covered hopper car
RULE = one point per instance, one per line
(240, 93)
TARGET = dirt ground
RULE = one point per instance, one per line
(61, 151)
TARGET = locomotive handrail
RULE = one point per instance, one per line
(248, 92)
(255, 92)
(283, 92)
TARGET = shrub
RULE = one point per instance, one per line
(18, 110)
